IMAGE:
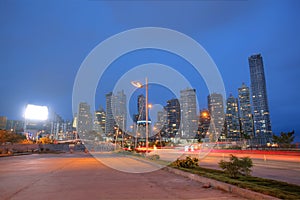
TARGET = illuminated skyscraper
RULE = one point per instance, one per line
(119, 109)
(261, 114)
(140, 119)
(189, 120)
(141, 109)
(56, 126)
(232, 119)
(109, 118)
(84, 123)
(204, 123)
(162, 117)
(99, 121)
(160, 124)
(173, 116)
(245, 111)
(216, 110)
(116, 112)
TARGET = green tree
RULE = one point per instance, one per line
(237, 166)
(284, 140)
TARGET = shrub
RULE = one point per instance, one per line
(45, 140)
(10, 137)
(188, 162)
(236, 166)
(25, 141)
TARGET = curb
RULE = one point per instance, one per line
(15, 154)
(223, 186)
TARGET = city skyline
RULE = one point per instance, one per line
(235, 124)
(39, 65)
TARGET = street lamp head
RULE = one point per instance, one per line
(137, 84)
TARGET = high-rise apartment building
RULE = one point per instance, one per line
(141, 104)
(116, 112)
(245, 112)
(161, 123)
(216, 110)
(162, 117)
(204, 122)
(68, 130)
(109, 118)
(232, 119)
(261, 114)
(99, 121)
(140, 119)
(119, 109)
(173, 116)
(188, 106)
(56, 126)
(84, 123)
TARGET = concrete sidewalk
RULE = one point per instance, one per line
(80, 176)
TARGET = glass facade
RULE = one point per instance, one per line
(216, 110)
(84, 124)
(189, 120)
(173, 116)
(261, 114)
(109, 118)
(99, 121)
(245, 112)
(119, 109)
(232, 119)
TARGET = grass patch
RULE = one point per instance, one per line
(274, 188)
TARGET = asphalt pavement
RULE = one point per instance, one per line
(81, 176)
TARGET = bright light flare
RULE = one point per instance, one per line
(35, 112)
(204, 114)
(137, 84)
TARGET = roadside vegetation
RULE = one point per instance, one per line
(10, 137)
(237, 166)
(285, 140)
(237, 172)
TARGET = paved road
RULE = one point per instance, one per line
(80, 176)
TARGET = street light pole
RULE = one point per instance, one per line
(147, 130)
(123, 132)
(139, 85)
(135, 139)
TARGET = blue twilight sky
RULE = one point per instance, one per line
(43, 44)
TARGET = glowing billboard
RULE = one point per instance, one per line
(35, 112)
